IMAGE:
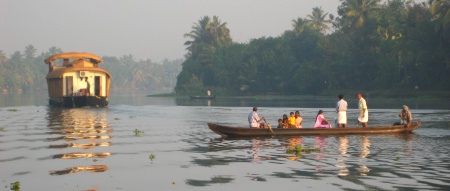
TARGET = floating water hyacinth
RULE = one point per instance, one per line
(15, 186)
(297, 150)
(138, 132)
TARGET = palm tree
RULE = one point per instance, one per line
(390, 20)
(360, 10)
(300, 25)
(220, 32)
(440, 10)
(206, 35)
(317, 19)
(198, 34)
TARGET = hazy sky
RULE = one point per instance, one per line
(146, 29)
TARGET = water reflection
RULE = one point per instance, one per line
(93, 168)
(81, 128)
(214, 180)
(320, 144)
(294, 141)
(365, 145)
(343, 146)
(255, 150)
(82, 146)
(76, 155)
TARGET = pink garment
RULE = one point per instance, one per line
(319, 122)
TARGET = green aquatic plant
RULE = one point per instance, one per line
(116, 118)
(138, 132)
(2, 128)
(297, 150)
(131, 117)
(95, 160)
(151, 157)
(14, 110)
(15, 186)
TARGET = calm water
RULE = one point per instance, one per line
(146, 143)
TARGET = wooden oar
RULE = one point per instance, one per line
(269, 126)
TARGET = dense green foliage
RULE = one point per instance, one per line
(26, 71)
(372, 46)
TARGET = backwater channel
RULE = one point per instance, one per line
(163, 143)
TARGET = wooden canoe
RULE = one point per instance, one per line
(229, 131)
(202, 97)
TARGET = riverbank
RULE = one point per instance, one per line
(333, 94)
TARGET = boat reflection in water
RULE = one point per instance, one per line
(256, 144)
(343, 146)
(321, 144)
(92, 168)
(81, 128)
(365, 144)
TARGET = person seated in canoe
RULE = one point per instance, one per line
(280, 123)
(298, 120)
(321, 121)
(253, 119)
(285, 121)
(405, 117)
(291, 120)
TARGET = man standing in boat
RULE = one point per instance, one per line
(363, 111)
(254, 120)
(341, 110)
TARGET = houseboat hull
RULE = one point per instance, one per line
(79, 101)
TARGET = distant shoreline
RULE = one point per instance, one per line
(333, 94)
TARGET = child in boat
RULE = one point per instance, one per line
(298, 120)
(285, 121)
(291, 120)
(321, 122)
(280, 123)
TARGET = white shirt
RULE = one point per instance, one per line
(341, 105)
(253, 119)
(362, 105)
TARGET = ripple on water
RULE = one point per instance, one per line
(94, 147)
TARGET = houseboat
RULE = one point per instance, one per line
(75, 80)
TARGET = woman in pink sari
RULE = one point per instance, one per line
(321, 122)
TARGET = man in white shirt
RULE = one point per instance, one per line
(254, 120)
(341, 110)
(363, 110)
